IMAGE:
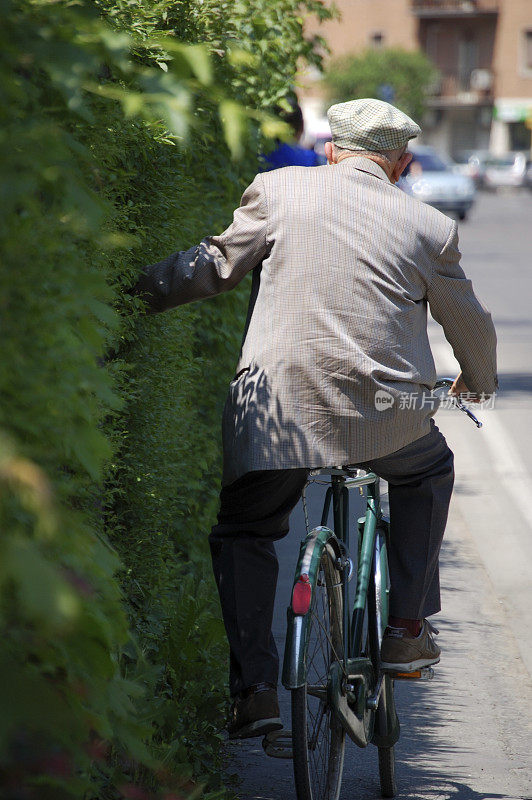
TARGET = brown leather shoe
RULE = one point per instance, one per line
(402, 652)
(255, 712)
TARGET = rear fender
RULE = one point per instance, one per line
(298, 624)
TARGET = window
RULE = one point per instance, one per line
(432, 41)
(467, 59)
(519, 136)
(527, 50)
(377, 40)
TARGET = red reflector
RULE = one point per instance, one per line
(301, 595)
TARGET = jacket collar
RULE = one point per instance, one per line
(364, 165)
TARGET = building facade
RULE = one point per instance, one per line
(482, 50)
(512, 65)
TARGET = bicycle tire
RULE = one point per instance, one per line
(387, 771)
(387, 779)
(318, 740)
(386, 755)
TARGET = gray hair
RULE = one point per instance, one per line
(391, 156)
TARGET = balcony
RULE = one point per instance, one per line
(462, 89)
(454, 8)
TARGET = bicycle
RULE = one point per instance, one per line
(332, 653)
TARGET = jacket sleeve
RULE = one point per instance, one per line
(213, 266)
(467, 324)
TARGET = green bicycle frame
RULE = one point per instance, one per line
(365, 563)
(357, 721)
(308, 564)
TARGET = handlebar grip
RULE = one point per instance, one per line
(446, 383)
(469, 413)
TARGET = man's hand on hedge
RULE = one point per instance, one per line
(144, 289)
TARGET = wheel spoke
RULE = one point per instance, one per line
(314, 738)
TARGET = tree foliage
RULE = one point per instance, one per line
(398, 76)
(112, 665)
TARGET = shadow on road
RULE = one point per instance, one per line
(437, 759)
(510, 382)
(430, 764)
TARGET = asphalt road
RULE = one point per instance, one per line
(466, 735)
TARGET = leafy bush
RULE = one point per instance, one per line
(112, 671)
(401, 77)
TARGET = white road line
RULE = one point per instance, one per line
(498, 513)
(506, 460)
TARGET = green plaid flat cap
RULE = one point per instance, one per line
(370, 124)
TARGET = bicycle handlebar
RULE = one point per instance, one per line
(446, 383)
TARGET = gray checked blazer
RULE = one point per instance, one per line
(344, 267)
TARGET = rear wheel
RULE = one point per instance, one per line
(318, 741)
(386, 754)
(378, 607)
(387, 771)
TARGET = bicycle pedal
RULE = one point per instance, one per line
(423, 674)
(278, 744)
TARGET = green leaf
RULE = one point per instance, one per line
(233, 121)
(45, 598)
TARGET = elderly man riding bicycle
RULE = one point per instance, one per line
(344, 267)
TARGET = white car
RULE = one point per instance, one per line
(431, 178)
(506, 171)
(473, 164)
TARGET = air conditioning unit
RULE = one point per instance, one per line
(481, 80)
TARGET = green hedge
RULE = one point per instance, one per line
(112, 670)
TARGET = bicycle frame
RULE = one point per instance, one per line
(339, 493)
(351, 669)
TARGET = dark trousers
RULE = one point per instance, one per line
(254, 512)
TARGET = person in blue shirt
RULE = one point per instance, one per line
(291, 154)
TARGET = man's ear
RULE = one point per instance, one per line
(329, 152)
(401, 165)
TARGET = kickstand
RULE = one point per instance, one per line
(278, 744)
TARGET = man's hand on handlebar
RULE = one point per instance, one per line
(459, 388)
